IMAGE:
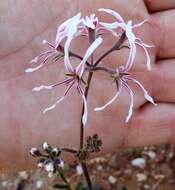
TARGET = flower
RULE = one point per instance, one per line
(132, 39)
(91, 22)
(122, 78)
(73, 78)
(53, 53)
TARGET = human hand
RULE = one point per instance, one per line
(23, 25)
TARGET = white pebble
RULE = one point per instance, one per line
(141, 177)
(112, 180)
(139, 162)
(79, 170)
(4, 183)
(23, 174)
(151, 154)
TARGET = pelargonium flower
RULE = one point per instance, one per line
(73, 78)
(123, 79)
(132, 39)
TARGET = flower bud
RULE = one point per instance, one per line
(35, 152)
(49, 167)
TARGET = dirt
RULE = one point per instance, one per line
(112, 171)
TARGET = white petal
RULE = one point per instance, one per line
(147, 55)
(35, 60)
(89, 52)
(146, 45)
(88, 23)
(131, 104)
(146, 95)
(42, 87)
(54, 105)
(113, 13)
(140, 24)
(110, 101)
(113, 25)
(85, 114)
(29, 70)
(65, 25)
(67, 63)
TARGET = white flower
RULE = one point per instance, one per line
(73, 78)
(132, 39)
(122, 81)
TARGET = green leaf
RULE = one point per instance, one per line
(80, 186)
(124, 188)
(60, 186)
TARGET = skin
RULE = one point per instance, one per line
(24, 24)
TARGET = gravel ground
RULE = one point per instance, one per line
(149, 168)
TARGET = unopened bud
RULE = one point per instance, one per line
(49, 167)
(35, 152)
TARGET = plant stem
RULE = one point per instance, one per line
(115, 47)
(61, 174)
(86, 174)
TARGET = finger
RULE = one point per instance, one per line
(159, 5)
(152, 125)
(164, 33)
(163, 81)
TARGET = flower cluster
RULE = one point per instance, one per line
(49, 160)
(93, 28)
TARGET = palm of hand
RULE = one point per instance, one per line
(23, 30)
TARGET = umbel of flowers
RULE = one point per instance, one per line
(93, 29)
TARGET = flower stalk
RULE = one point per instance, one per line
(93, 29)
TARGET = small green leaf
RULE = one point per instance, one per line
(124, 188)
(80, 186)
(60, 186)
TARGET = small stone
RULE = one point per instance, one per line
(141, 177)
(39, 184)
(79, 170)
(24, 175)
(139, 162)
(115, 161)
(147, 187)
(151, 154)
(128, 172)
(159, 177)
(4, 183)
(100, 168)
(112, 180)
